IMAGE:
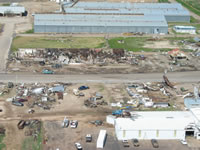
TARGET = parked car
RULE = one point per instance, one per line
(78, 146)
(16, 103)
(136, 143)
(47, 71)
(154, 142)
(125, 143)
(184, 142)
(97, 122)
(88, 138)
(73, 124)
(65, 123)
(83, 87)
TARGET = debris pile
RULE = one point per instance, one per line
(58, 57)
(41, 95)
(95, 100)
(147, 95)
(32, 127)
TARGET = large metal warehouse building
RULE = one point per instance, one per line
(107, 17)
(65, 23)
(173, 12)
(159, 125)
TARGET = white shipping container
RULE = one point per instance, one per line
(101, 139)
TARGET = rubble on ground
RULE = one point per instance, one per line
(99, 60)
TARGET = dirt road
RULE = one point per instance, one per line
(5, 42)
(7, 36)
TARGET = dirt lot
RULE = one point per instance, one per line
(73, 107)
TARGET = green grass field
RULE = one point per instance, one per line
(163, 1)
(2, 145)
(5, 4)
(30, 144)
(65, 42)
(128, 43)
(192, 5)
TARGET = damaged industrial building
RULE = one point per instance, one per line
(105, 17)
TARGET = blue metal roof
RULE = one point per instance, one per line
(99, 20)
(127, 8)
(191, 103)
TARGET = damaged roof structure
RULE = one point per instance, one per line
(106, 17)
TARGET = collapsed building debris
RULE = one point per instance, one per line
(167, 82)
(95, 100)
(41, 95)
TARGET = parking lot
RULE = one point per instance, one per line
(61, 138)
(113, 144)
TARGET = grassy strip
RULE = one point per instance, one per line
(2, 145)
(193, 20)
(31, 144)
(136, 43)
(52, 42)
(29, 31)
(5, 4)
(129, 43)
(192, 9)
(163, 1)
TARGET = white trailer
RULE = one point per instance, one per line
(101, 139)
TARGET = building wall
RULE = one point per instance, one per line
(177, 18)
(150, 134)
(97, 29)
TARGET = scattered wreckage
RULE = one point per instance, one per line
(95, 100)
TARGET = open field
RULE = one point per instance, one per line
(128, 43)
(192, 5)
(45, 42)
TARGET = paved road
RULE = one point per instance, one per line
(5, 42)
(101, 78)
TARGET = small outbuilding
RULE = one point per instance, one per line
(185, 29)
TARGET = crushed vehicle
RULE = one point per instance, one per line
(97, 122)
(73, 124)
(65, 123)
(16, 103)
(21, 124)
